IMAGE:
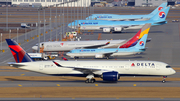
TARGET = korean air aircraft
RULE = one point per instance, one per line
(133, 46)
(118, 26)
(117, 17)
(107, 70)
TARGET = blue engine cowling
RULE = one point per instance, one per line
(110, 76)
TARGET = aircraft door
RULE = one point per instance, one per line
(127, 67)
(158, 67)
(40, 67)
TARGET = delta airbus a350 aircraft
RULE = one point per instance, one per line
(117, 17)
(134, 46)
(107, 70)
(118, 26)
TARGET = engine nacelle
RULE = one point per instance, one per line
(110, 76)
(118, 28)
(99, 56)
(106, 29)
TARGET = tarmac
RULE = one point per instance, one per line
(164, 46)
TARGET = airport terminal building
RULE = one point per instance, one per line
(83, 3)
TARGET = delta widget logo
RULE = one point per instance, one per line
(162, 14)
(160, 8)
(141, 43)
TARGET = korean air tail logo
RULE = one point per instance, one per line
(160, 8)
(162, 14)
(141, 43)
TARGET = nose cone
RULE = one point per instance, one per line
(35, 47)
(69, 25)
(68, 53)
(173, 71)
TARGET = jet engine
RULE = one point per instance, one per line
(118, 29)
(99, 56)
(110, 76)
(106, 29)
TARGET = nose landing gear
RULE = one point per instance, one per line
(164, 77)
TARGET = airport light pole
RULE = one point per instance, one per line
(6, 16)
(67, 15)
(31, 29)
(1, 41)
(38, 30)
(25, 34)
(9, 34)
(81, 9)
(74, 16)
(17, 34)
(44, 30)
(71, 17)
(77, 15)
(44, 25)
(50, 28)
(63, 22)
(56, 27)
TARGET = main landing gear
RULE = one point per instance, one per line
(90, 79)
(164, 77)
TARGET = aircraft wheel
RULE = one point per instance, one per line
(163, 81)
(93, 80)
(76, 57)
(87, 81)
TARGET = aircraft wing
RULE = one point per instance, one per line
(83, 70)
(112, 27)
(107, 54)
(93, 46)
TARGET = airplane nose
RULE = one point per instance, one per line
(173, 71)
(68, 54)
(34, 47)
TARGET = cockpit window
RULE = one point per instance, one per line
(168, 66)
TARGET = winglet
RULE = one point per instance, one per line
(108, 43)
(64, 59)
(57, 64)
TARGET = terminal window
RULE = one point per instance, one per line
(48, 0)
(19, 0)
(31, 0)
(53, 0)
(59, 0)
(37, 0)
(25, 0)
(42, 0)
(65, 1)
(14, 0)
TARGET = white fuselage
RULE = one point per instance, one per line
(72, 55)
(69, 45)
(148, 68)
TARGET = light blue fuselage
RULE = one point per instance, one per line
(118, 17)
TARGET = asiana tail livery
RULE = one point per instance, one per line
(107, 70)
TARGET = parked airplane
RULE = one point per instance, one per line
(107, 70)
(134, 46)
(118, 26)
(117, 17)
(56, 46)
